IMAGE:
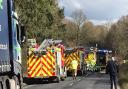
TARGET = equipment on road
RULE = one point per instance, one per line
(12, 35)
(47, 61)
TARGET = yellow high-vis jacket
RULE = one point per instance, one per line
(74, 64)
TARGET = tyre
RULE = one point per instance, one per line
(54, 79)
(12, 84)
(6, 83)
(57, 79)
(62, 78)
(17, 83)
(1, 86)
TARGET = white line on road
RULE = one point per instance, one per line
(28, 86)
(74, 82)
(78, 80)
(71, 84)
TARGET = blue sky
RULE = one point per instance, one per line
(98, 11)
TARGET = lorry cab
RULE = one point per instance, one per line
(17, 39)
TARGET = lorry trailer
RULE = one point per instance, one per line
(11, 36)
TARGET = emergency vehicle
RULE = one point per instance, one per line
(90, 60)
(96, 59)
(75, 54)
(102, 57)
(47, 61)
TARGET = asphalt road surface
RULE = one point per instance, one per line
(92, 81)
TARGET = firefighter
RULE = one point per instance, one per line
(74, 65)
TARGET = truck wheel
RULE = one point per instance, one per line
(12, 84)
(54, 79)
(1, 87)
(62, 78)
(57, 79)
(6, 84)
(17, 83)
(9, 84)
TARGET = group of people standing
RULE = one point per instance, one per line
(111, 69)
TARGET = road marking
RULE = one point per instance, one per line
(74, 82)
(78, 80)
(87, 75)
(71, 84)
(28, 86)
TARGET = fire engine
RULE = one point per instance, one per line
(75, 54)
(47, 61)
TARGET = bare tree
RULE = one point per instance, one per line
(79, 18)
(117, 37)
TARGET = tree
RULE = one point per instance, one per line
(70, 33)
(117, 37)
(42, 18)
(79, 18)
(90, 35)
(86, 33)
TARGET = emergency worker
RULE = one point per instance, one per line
(74, 65)
(112, 70)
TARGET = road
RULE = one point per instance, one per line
(92, 81)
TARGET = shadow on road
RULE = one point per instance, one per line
(103, 82)
(30, 81)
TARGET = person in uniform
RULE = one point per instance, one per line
(74, 65)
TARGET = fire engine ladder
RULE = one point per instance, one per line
(44, 44)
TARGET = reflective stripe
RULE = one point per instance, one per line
(43, 66)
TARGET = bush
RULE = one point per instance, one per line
(123, 76)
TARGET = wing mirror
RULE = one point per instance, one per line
(23, 33)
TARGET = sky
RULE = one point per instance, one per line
(98, 11)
